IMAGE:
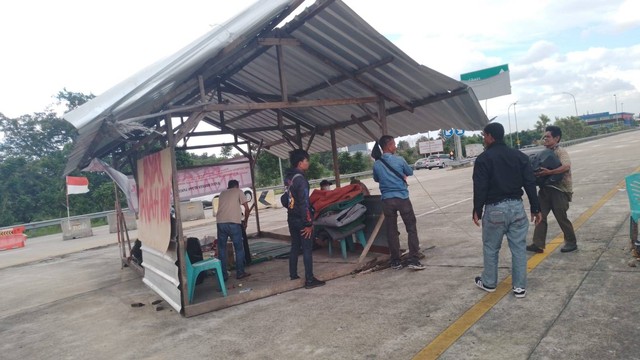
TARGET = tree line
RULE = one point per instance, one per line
(34, 150)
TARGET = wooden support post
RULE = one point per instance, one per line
(382, 115)
(334, 152)
(253, 186)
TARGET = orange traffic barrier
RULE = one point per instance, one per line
(12, 238)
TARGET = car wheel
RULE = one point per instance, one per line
(248, 195)
(441, 166)
(429, 168)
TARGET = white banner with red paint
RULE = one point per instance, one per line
(154, 197)
(212, 179)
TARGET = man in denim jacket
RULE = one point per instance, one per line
(395, 198)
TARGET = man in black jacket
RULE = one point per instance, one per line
(300, 218)
(499, 174)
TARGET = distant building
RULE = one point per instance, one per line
(353, 149)
(605, 119)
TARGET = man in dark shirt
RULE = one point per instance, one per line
(499, 174)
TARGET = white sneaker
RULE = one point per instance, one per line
(519, 292)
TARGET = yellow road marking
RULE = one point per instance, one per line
(446, 338)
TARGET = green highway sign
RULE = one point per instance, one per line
(484, 73)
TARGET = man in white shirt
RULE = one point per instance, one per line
(229, 224)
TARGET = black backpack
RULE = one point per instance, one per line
(195, 254)
(286, 197)
(545, 158)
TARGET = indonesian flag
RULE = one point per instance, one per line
(77, 185)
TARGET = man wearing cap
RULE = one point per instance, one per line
(229, 224)
(325, 185)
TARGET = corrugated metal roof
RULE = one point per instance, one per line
(339, 56)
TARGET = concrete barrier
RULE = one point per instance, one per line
(129, 219)
(12, 238)
(76, 228)
(267, 199)
(193, 210)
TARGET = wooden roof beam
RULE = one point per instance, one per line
(365, 83)
(341, 78)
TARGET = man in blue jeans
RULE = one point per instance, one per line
(229, 224)
(391, 172)
(499, 174)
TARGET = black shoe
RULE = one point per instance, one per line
(534, 249)
(569, 248)
(310, 284)
(519, 292)
(396, 265)
(243, 275)
(294, 277)
(416, 265)
(483, 286)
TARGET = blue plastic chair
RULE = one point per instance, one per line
(633, 191)
(194, 269)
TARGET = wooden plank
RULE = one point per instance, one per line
(278, 41)
(372, 237)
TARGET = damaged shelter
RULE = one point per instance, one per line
(271, 81)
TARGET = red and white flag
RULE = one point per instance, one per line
(77, 185)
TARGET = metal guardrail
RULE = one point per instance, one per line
(53, 222)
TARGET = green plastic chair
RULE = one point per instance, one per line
(346, 239)
(633, 191)
(194, 269)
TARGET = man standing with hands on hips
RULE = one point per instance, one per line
(499, 174)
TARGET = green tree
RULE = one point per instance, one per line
(573, 128)
(542, 123)
(183, 159)
(345, 163)
(34, 136)
(226, 151)
(403, 145)
(268, 170)
(72, 100)
(33, 155)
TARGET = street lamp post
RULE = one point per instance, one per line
(574, 101)
(509, 117)
(515, 118)
(616, 98)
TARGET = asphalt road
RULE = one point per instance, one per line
(580, 305)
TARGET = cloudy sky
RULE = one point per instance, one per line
(588, 48)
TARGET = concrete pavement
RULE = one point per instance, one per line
(579, 305)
